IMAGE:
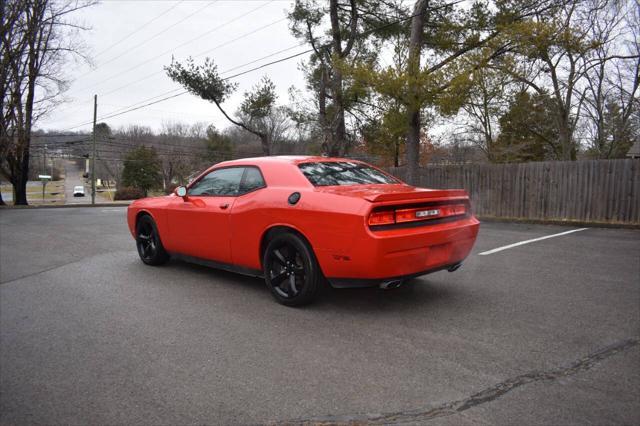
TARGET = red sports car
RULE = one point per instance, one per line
(302, 221)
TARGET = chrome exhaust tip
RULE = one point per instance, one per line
(391, 284)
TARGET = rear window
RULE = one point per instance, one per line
(343, 173)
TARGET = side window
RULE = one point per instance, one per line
(252, 180)
(219, 182)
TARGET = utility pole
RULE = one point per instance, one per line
(44, 169)
(93, 156)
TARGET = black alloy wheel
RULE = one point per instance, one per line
(148, 242)
(290, 269)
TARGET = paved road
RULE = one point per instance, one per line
(542, 333)
(73, 177)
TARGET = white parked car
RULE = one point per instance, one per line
(78, 191)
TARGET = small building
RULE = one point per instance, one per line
(634, 151)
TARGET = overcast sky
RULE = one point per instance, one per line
(130, 72)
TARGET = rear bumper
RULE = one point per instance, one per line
(400, 253)
(376, 282)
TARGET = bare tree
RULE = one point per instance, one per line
(38, 37)
(274, 125)
(487, 101)
(611, 85)
(556, 52)
(179, 148)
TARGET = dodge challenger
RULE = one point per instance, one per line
(301, 222)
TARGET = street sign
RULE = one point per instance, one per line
(44, 179)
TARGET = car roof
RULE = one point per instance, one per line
(287, 159)
(272, 171)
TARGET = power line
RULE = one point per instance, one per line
(110, 157)
(134, 104)
(124, 141)
(169, 51)
(197, 146)
(262, 58)
(210, 50)
(140, 28)
(177, 90)
(233, 40)
(167, 148)
(143, 106)
(268, 64)
(222, 73)
(189, 146)
(115, 114)
(159, 33)
(56, 135)
(148, 99)
(194, 145)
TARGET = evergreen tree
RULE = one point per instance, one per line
(219, 146)
(527, 130)
(142, 170)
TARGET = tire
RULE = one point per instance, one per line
(150, 248)
(291, 270)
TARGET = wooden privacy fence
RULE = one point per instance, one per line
(588, 191)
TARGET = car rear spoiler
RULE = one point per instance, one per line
(421, 194)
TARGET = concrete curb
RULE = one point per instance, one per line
(561, 222)
(64, 206)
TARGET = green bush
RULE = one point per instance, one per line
(142, 169)
(128, 193)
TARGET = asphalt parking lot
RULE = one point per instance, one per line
(540, 333)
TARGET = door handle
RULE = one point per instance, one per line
(224, 206)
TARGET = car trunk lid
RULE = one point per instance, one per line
(400, 205)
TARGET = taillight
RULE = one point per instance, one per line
(382, 218)
(457, 209)
(414, 214)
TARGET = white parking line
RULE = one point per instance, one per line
(495, 250)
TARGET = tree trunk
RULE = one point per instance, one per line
(414, 105)
(167, 176)
(266, 144)
(338, 142)
(21, 172)
(396, 154)
(35, 51)
(322, 111)
(20, 188)
(567, 147)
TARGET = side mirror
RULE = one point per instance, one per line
(181, 191)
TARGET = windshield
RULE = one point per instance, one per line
(343, 173)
